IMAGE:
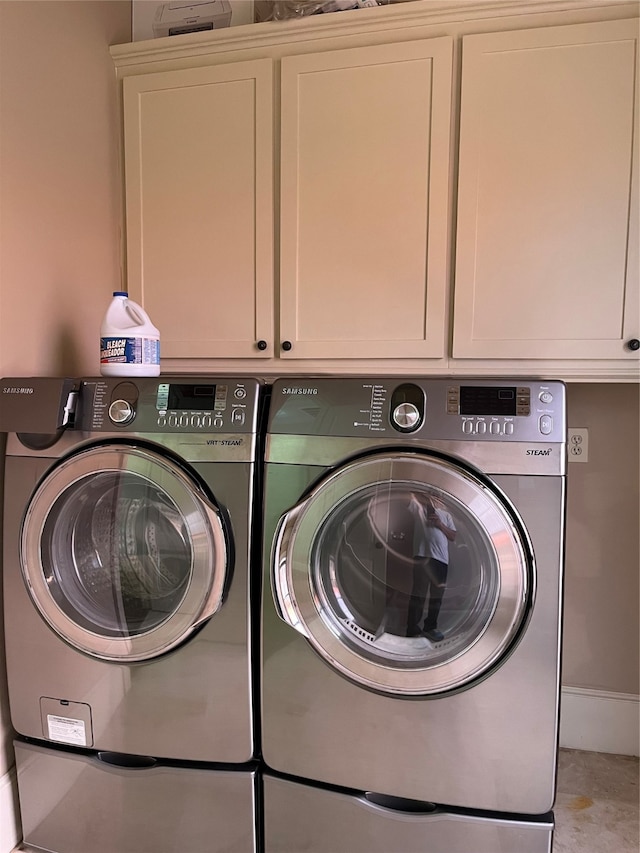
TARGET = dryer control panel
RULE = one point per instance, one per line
(496, 408)
(444, 409)
(506, 410)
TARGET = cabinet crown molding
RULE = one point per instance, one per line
(396, 15)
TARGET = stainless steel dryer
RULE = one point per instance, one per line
(420, 666)
(127, 592)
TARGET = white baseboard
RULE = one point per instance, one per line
(10, 832)
(599, 721)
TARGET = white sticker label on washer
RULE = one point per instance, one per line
(66, 730)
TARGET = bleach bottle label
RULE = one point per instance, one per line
(129, 351)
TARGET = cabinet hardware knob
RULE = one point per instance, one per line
(261, 345)
(633, 344)
(286, 345)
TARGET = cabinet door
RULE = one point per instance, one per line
(199, 207)
(365, 139)
(547, 243)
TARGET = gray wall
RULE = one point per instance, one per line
(60, 203)
(601, 633)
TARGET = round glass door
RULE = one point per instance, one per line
(406, 572)
(122, 553)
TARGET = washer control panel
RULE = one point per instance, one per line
(170, 405)
(201, 406)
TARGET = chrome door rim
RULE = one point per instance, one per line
(299, 603)
(204, 593)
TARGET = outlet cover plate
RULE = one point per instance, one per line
(578, 445)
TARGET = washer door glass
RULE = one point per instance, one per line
(122, 553)
(406, 572)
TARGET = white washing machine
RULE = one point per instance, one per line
(414, 534)
(129, 506)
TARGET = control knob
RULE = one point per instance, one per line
(406, 416)
(121, 412)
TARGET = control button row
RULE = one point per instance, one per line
(482, 427)
(545, 424)
(197, 421)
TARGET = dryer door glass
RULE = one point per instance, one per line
(122, 553)
(407, 572)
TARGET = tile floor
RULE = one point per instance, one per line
(597, 806)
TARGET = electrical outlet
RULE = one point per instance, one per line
(578, 445)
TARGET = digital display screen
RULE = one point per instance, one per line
(478, 400)
(195, 398)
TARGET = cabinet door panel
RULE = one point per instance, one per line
(547, 197)
(365, 140)
(198, 152)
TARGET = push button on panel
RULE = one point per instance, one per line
(523, 401)
(546, 397)
(546, 424)
(453, 400)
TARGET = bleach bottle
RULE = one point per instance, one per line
(129, 342)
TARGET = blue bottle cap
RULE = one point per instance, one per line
(120, 293)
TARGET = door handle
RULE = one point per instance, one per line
(281, 586)
(221, 567)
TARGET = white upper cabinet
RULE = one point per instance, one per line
(199, 206)
(416, 187)
(547, 230)
(364, 159)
